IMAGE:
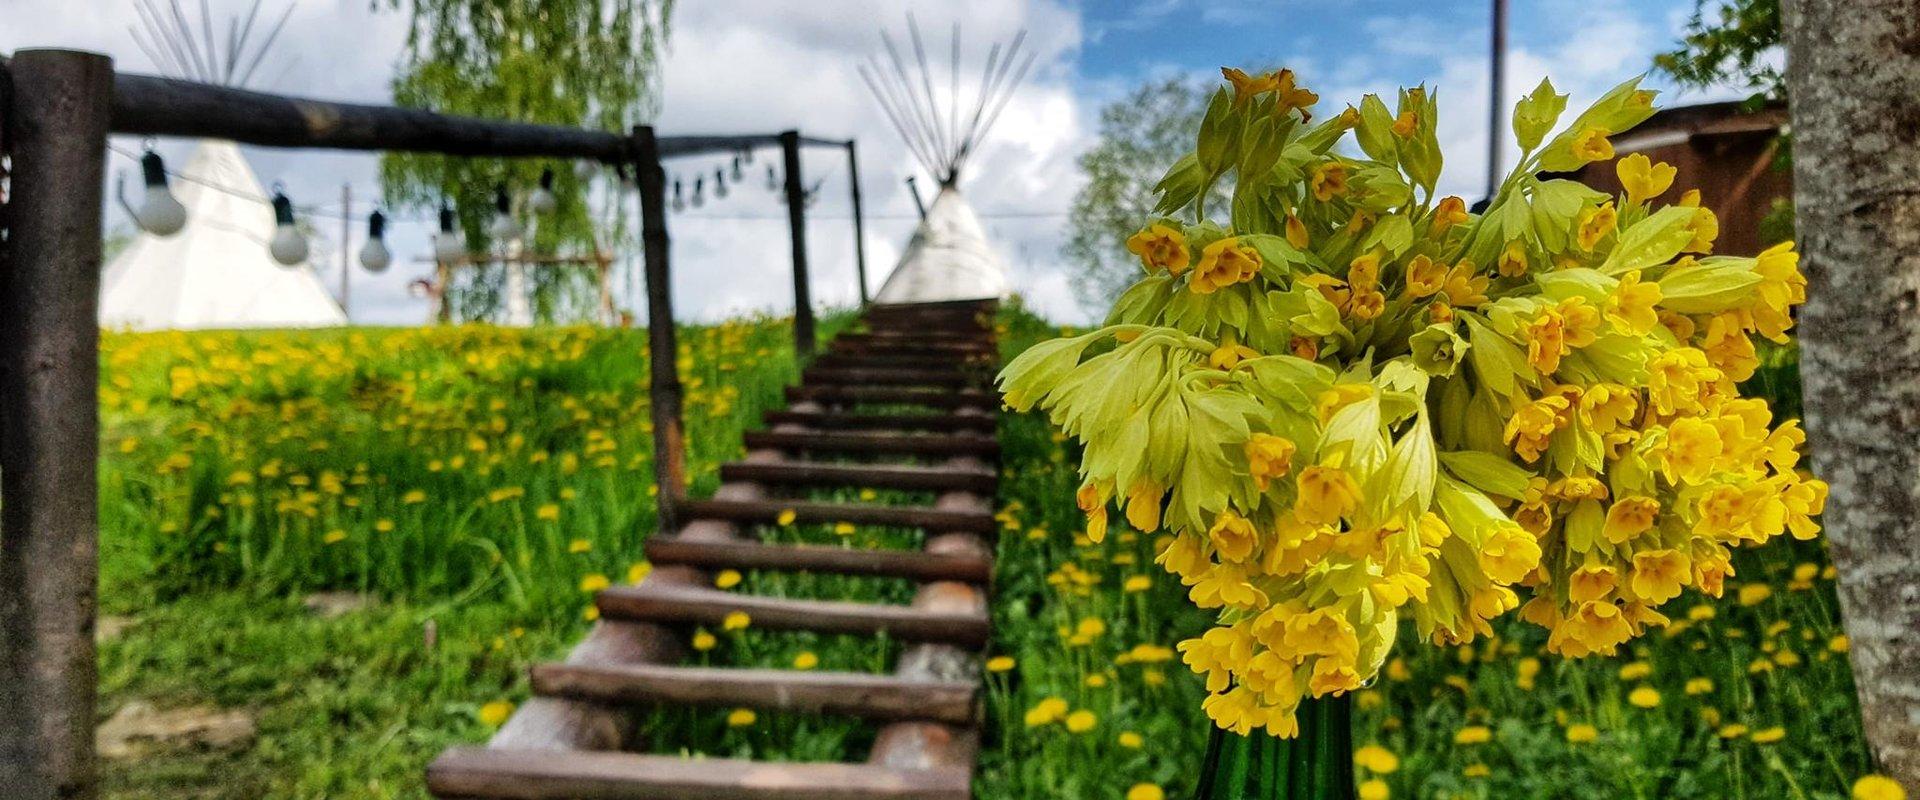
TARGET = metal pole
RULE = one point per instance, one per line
(669, 439)
(859, 235)
(346, 231)
(1496, 116)
(57, 114)
(797, 222)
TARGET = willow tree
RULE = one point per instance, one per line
(584, 63)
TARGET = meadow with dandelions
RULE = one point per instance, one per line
(473, 484)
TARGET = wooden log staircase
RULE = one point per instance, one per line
(910, 386)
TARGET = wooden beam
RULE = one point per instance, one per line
(890, 443)
(471, 772)
(916, 564)
(669, 438)
(693, 605)
(56, 114)
(803, 328)
(766, 511)
(859, 221)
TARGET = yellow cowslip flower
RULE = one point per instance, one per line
(735, 621)
(1658, 575)
(1246, 86)
(1329, 181)
(1367, 305)
(1782, 286)
(1296, 233)
(1376, 759)
(1450, 212)
(805, 660)
(1594, 224)
(1327, 493)
(1642, 179)
(1269, 458)
(1146, 791)
(1143, 505)
(1512, 262)
(495, 713)
(1425, 277)
(1531, 425)
(1229, 354)
(1159, 247)
(1225, 585)
(1693, 448)
(1222, 264)
(1591, 144)
(1705, 226)
(1644, 697)
(1464, 288)
(1092, 499)
(1289, 96)
(727, 579)
(1581, 733)
(1877, 787)
(1631, 305)
(1592, 582)
(741, 717)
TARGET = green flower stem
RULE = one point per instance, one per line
(1315, 765)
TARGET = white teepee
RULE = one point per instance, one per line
(216, 272)
(949, 256)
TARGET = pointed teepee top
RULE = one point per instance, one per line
(216, 272)
(942, 129)
(189, 49)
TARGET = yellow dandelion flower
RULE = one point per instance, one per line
(495, 714)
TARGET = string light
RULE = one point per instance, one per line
(504, 228)
(719, 184)
(160, 213)
(679, 203)
(449, 245)
(374, 254)
(287, 246)
(542, 201)
(698, 183)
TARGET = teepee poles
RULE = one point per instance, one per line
(940, 132)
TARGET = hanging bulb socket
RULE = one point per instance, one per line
(699, 189)
(773, 181)
(719, 183)
(287, 246)
(504, 229)
(160, 213)
(679, 202)
(374, 255)
(543, 201)
(449, 245)
(736, 169)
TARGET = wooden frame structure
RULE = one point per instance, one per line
(57, 108)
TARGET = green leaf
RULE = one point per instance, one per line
(1654, 240)
(1487, 472)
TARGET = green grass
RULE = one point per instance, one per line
(213, 568)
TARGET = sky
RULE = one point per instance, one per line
(752, 66)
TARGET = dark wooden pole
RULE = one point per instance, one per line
(669, 438)
(797, 222)
(1497, 113)
(859, 223)
(57, 114)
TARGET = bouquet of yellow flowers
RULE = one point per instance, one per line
(1353, 402)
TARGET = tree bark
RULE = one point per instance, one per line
(1854, 80)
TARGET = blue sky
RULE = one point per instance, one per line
(767, 65)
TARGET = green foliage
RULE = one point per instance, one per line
(560, 62)
(1730, 41)
(1139, 135)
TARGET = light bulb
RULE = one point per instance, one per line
(543, 201)
(503, 229)
(449, 245)
(287, 245)
(373, 254)
(159, 213)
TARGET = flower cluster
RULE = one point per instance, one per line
(1356, 402)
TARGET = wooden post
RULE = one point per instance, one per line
(1497, 110)
(859, 235)
(346, 253)
(58, 112)
(669, 438)
(797, 222)
(442, 281)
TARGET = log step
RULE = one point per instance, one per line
(915, 564)
(484, 774)
(893, 395)
(853, 694)
(868, 442)
(699, 605)
(878, 476)
(902, 422)
(937, 519)
(891, 377)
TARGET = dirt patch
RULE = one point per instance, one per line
(329, 605)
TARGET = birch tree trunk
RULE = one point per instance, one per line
(1854, 79)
